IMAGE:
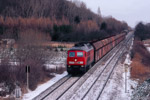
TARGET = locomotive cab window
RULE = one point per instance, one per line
(71, 54)
(79, 54)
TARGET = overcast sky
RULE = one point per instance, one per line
(131, 11)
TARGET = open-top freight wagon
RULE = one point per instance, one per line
(83, 55)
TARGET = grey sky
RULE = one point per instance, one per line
(131, 11)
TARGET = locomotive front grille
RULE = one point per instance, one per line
(75, 66)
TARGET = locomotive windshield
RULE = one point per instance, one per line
(79, 54)
(71, 54)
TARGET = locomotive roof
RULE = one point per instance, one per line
(81, 46)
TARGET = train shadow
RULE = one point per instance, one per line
(77, 74)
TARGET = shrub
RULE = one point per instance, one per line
(140, 67)
(77, 19)
(103, 26)
(36, 74)
(1, 30)
(142, 31)
(7, 75)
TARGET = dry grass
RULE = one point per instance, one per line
(57, 44)
(33, 23)
(140, 67)
(139, 70)
(9, 98)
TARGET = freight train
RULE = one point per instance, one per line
(82, 56)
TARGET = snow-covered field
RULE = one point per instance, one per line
(53, 60)
(41, 88)
(57, 59)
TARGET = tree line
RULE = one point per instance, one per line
(63, 20)
(142, 31)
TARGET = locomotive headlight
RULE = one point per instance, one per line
(75, 60)
(80, 62)
(71, 62)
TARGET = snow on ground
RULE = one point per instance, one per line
(120, 86)
(53, 60)
(148, 48)
(142, 92)
(57, 60)
(43, 87)
(146, 44)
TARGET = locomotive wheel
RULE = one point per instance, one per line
(69, 72)
(85, 70)
(90, 66)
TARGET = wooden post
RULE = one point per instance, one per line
(125, 78)
(28, 71)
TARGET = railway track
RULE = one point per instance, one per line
(91, 84)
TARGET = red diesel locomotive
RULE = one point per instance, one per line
(83, 55)
(80, 57)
